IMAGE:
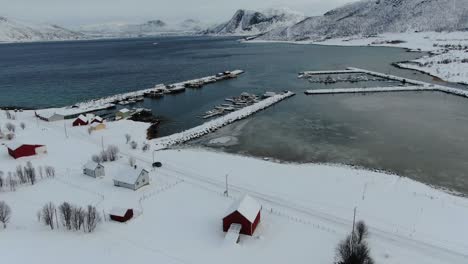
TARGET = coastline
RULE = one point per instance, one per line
(433, 42)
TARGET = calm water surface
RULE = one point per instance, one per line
(419, 135)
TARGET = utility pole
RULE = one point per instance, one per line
(352, 233)
(65, 127)
(226, 192)
(102, 142)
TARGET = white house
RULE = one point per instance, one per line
(93, 169)
(132, 178)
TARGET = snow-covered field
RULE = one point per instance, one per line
(448, 58)
(307, 209)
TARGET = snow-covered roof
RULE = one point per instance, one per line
(247, 206)
(15, 144)
(118, 211)
(128, 175)
(98, 118)
(91, 165)
(83, 118)
(124, 110)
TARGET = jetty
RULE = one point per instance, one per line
(159, 90)
(412, 85)
(213, 125)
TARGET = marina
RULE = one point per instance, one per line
(406, 84)
(158, 91)
(235, 103)
(215, 124)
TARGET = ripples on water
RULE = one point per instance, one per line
(419, 135)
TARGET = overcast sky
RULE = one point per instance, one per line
(73, 12)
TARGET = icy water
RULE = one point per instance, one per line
(419, 135)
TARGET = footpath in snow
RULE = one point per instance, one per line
(215, 124)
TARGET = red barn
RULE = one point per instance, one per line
(18, 150)
(120, 214)
(80, 121)
(245, 212)
(97, 119)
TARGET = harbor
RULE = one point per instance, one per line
(405, 84)
(233, 104)
(123, 99)
(217, 123)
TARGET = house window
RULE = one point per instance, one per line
(143, 180)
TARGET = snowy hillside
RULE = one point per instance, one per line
(149, 28)
(247, 22)
(20, 31)
(371, 17)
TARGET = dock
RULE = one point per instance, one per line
(159, 90)
(413, 85)
(369, 90)
(215, 124)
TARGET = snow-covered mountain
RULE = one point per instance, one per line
(247, 22)
(12, 30)
(149, 28)
(371, 17)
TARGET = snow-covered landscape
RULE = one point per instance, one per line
(78, 187)
(447, 58)
(306, 209)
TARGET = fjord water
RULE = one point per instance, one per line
(419, 135)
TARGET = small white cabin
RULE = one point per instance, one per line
(132, 178)
(93, 169)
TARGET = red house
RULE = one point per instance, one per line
(120, 214)
(80, 121)
(97, 119)
(18, 150)
(245, 212)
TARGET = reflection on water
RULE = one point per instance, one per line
(422, 135)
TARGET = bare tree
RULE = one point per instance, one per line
(113, 152)
(10, 136)
(19, 173)
(22, 125)
(66, 211)
(131, 161)
(92, 218)
(5, 213)
(50, 171)
(104, 156)
(12, 182)
(48, 214)
(127, 138)
(2, 181)
(30, 172)
(78, 217)
(96, 158)
(133, 145)
(8, 114)
(145, 147)
(10, 127)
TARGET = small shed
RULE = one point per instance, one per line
(120, 214)
(81, 120)
(93, 169)
(19, 150)
(122, 113)
(97, 126)
(245, 212)
(132, 178)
